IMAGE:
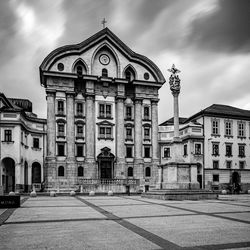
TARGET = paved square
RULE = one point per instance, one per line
(126, 222)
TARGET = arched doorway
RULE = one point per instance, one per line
(106, 164)
(36, 173)
(26, 182)
(8, 174)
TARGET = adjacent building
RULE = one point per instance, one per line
(22, 146)
(218, 138)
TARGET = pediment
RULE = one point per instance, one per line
(104, 49)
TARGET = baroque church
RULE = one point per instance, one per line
(102, 122)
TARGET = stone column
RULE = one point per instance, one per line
(154, 107)
(51, 125)
(120, 148)
(174, 82)
(138, 130)
(176, 115)
(90, 136)
(70, 127)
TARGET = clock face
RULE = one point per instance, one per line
(104, 59)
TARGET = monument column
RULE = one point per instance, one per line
(51, 125)
(120, 154)
(70, 126)
(138, 130)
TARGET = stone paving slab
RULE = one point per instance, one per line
(71, 235)
(126, 222)
(36, 209)
(2, 210)
(189, 231)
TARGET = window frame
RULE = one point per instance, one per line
(166, 152)
(196, 151)
(147, 152)
(59, 173)
(214, 145)
(105, 111)
(216, 162)
(7, 135)
(130, 147)
(36, 143)
(59, 150)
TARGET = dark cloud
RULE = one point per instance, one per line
(7, 31)
(227, 29)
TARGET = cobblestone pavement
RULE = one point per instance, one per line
(126, 222)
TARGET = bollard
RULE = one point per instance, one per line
(110, 193)
(52, 194)
(72, 193)
(91, 193)
(33, 194)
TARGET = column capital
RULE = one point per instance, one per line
(175, 93)
(90, 97)
(70, 93)
(50, 92)
(120, 99)
(138, 100)
(154, 101)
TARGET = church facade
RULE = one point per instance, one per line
(102, 122)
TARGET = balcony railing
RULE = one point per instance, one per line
(108, 181)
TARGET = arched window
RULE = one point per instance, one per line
(79, 70)
(80, 171)
(104, 72)
(130, 172)
(148, 172)
(128, 75)
(61, 171)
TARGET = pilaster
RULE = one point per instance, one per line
(51, 125)
(154, 106)
(70, 126)
(120, 148)
(138, 130)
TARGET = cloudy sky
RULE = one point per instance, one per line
(208, 40)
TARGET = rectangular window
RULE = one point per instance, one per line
(35, 142)
(146, 113)
(147, 152)
(228, 150)
(215, 164)
(185, 149)
(228, 128)
(241, 150)
(129, 112)
(166, 152)
(7, 135)
(79, 108)
(60, 107)
(105, 110)
(61, 129)
(229, 164)
(197, 148)
(60, 149)
(215, 127)
(79, 131)
(215, 149)
(129, 133)
(129, 151)
(105, 132)
(146, 133)
(242, 164)
(216, 178)
(241, 129)
(79, 150)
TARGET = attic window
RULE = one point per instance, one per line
(104, 72)
(79, 70)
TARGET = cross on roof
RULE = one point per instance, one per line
(104, 22)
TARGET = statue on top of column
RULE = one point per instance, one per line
(174, 80)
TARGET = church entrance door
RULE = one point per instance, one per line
(106, 169)
(106, 163)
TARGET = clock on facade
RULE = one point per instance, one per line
(104, 59)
